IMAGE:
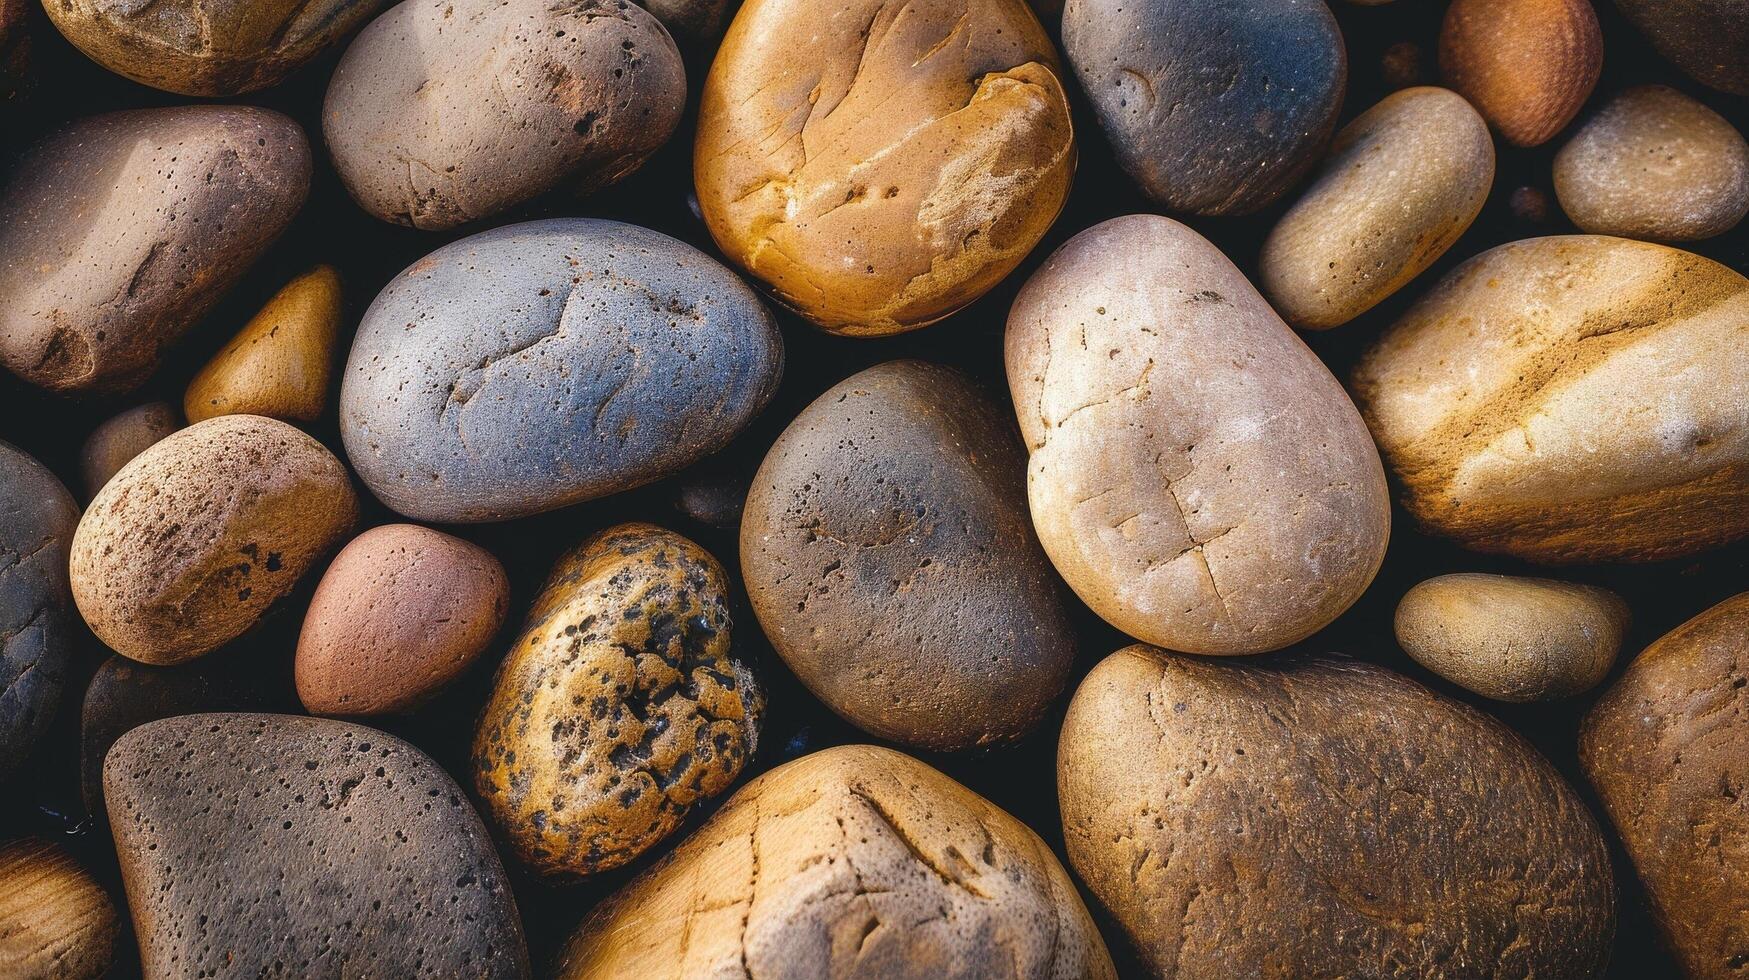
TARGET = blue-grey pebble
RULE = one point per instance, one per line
(37, 630)
(1214, 107)
(543, 364)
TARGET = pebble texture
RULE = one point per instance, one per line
(621, 706)
(56, 923)
(124, 694)
(1573, 398)
(191, 542)
(120, 231)
(1214, 107)
(1527, 65)
(1513, 639)
(1668, 750)
(548, 363)
(1654, 164)
(1401, 185)
(37, 631)
(279, 364)
(879, 164)
(856, 863)
(1324, 818)
(401, 612)
(14, 48)
(114, 443)
(1197, 476)
(319, 849)
(207, 47)
(447, 111)
(1708, 39)
(888, 555)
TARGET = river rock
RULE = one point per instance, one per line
(548, 363)
(1214, 107)
(1324, 818)
(888, 555)
(37, 631)
(1527, 65)
(1570, 399)
(1708, 39)
(56, 922)
(1654, 164)
(621, 707)
(121, 231)
(187, 546)
(279, 365)
(319, 848)
(114, 443)
(1197, 476)
(878, 165)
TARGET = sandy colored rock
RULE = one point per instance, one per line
(1401, 185)
(37, 631)
(115, 442)
(621, 706)
(1572, 398)
(187, 546)
(1320, 817)
(1654, 164)
(317, 849)
(854, 862)
(1708, 39)
(402, 611)
(888, 554)
(1213, 107)
(121, 231)
(207, 47)
(1197, 476)
(56, 922)
(1667, 748)
(278, 366)
(881, 165)
(1512, 638)
(447, 111)
(1526, 65)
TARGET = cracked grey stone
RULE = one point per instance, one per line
(37, 629)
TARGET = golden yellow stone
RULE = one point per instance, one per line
(278, 365)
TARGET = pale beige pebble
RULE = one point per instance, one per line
(1512, 638)
(56, 922)
(855, 863)
(1402, 183)
(1654, 164)
(1197, 475)
(1572, 398)
(111, 445)
(190, 543)
(279, 364)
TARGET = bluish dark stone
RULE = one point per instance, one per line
(548, 363)
(37, 629)
(1215, 107)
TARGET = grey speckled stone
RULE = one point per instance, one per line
(543, 364)
(1215, 107)
(37, 518)
(257, 845)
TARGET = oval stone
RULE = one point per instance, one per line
(1527, 65)
(446, 111)
(37, 630)
(1197, 475)
(318, 848)
(1654, 164)
(1214, 107)
(187, 546)
(548, 363)
(207, 47)
(1573, 398)
(1319, 818)
(851, 862)
(621, 706)
(881, 165)
(56, 921)
(115, 442)
(120, 231)
(888, 555)
(1401, 185)
(1708, 39)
